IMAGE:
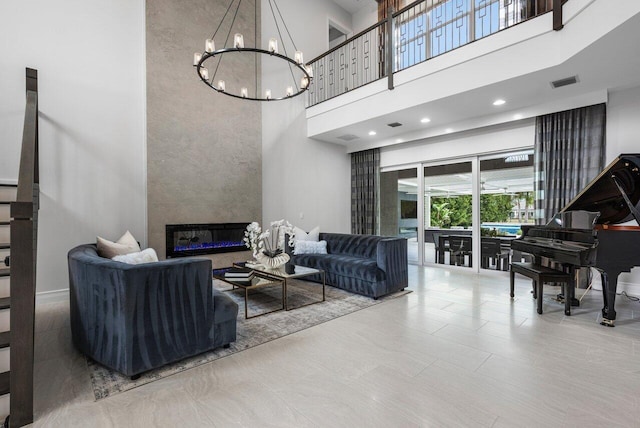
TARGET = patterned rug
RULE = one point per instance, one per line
(250, 332)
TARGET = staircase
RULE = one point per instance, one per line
(7, 195)
(18, 243)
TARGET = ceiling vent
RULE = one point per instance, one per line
(564, 82)
(348, 137)
(394, 124)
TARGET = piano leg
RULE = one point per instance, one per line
(609, 289)
(570, 291)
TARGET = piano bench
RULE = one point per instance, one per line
(539, 275)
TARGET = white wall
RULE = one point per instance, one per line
(90, 58)
(302, 177)
(365, 17)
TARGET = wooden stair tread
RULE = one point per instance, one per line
(5, 223)
(5, 271)
(5, 338)
(5, 381)
(5, 245)
(5, 303)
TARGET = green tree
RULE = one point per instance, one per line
(495, 208)
(451, 211)
(440, 213)
(457, 211)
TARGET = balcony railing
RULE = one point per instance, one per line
(419, 32)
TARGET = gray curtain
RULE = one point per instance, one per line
(569, 153)
(365, 191)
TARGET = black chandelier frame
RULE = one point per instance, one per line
(219, 53)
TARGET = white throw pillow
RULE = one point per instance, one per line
(313, 235)
(145, 256)
(125, 245)
(310, 247)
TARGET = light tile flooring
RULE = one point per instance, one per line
(456, 352)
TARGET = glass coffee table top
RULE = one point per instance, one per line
(287, 273)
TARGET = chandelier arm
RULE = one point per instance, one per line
(285, 27)
(222, 20)
(213, 78)
(293, 77)
(284, 45)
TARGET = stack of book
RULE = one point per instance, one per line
(239, 275)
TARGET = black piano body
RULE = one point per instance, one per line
(587, 231)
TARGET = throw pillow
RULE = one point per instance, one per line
(313, 235)
(145, 256)
(310, 247)
(125, 245)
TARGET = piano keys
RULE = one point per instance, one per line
(586, 232)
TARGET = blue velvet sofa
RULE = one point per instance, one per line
(134, 318)
(364, 264)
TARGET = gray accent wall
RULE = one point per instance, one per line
(204, 156)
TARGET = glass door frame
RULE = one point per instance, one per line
(420, 197)
(475, 209)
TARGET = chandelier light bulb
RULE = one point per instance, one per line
(209, 45)
(221, 85)
(196, 58)
(273, 45)
(204, 72)
(309, 70)
(289, 91)
(304, 82)
(267, 94)
(238, 41)
(299, 57)
(244, 92)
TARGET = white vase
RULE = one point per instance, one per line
(272, 262)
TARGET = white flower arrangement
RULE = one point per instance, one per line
(270, 241)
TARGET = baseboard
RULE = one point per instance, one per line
(8, 181)
(52, 296)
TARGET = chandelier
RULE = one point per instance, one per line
(220, 68)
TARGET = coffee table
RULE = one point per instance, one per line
(281, 274)
(257, 280)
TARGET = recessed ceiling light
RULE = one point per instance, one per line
(372, 132)
(518, 116)
(499, 102)
(448, 130)
(425, 120)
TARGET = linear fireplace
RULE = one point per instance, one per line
(196, 239)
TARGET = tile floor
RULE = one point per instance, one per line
(456, 352)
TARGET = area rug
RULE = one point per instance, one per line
(250, 332)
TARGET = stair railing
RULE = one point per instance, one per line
(24, 239)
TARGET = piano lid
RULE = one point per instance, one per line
(614, 193)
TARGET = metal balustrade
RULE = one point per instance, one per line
(354, 63)
(419, 32)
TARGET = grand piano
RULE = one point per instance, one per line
(587, 231)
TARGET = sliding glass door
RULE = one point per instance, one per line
(460, 213)
(448, 214)
(506, 202)
(399, 208)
